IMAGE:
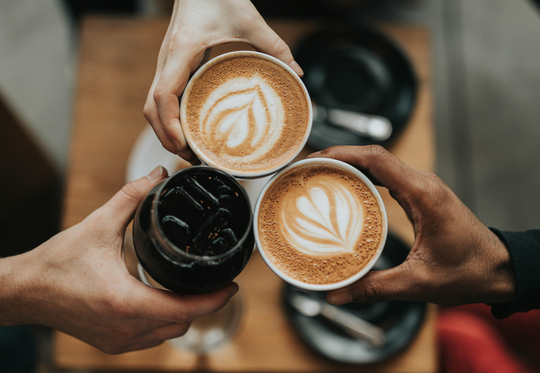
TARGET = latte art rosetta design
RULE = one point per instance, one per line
(327, 220)
(244, 115)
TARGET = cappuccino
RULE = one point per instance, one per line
(319, 223)
(246, 113)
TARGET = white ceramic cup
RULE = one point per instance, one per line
(209, 161)
(314, 162)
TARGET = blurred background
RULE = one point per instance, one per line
(485, 77)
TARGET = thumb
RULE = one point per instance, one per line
(378, 163)
(378, 286)
(120, 208)
(265, 40)
(384, 169)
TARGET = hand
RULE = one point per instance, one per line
(78, 283)
(196, 26)
(455, 258)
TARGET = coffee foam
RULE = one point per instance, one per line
(320, 225)
(247, 114)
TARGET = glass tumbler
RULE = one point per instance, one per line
(192, 235)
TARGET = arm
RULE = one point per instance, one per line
(196, 26)
(455, 258)
(78, 283)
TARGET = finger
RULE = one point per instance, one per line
(397, 283)
(168, 89)
(143, 346)
(121, 207)
(152, 338)
(188, 155)
(169, 331)
(168, 109)
(131, 347)
(162, 305)
(150, 110)
(151, 114)
(378, 164)
(265, 40)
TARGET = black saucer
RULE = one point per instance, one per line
(356, 69)
(400, 320)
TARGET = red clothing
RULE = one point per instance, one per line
(471, 340)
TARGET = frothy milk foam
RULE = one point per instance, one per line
(320, 225)
(246, 114)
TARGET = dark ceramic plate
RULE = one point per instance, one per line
(400, 320)
(356, 69)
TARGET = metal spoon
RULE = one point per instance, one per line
(354, 326)
(373, 127)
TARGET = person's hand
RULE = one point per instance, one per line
(196, 26)
(455, 258)
(78, 283)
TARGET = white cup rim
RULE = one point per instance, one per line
(210, 162)
(337, 285)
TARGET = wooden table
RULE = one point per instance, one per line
(116, 66)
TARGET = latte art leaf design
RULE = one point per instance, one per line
(243, 113)
(326, 221)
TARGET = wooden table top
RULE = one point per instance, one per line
(116, 67)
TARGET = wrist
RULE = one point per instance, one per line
(16, 289)
(501, 284)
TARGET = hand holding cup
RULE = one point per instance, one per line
(195, 27)
(455, 259)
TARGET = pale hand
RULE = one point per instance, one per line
(196, 26)
(78, 283)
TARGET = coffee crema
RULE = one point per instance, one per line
(320, 225)
(246, 114)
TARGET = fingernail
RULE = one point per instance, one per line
(156, 174)
(340, 298)
(296, 68)
(316, 154)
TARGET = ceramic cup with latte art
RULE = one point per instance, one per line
(320, 224)
(246, 113)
